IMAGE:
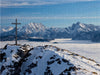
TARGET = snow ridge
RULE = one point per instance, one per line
(44, 60)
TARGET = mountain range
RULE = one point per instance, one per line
(78, 31)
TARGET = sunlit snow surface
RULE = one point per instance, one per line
(84, 48)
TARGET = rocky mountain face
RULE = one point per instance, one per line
(96, 36)
(44, 60)
(78, 31)
(32, 29)
(81, 31)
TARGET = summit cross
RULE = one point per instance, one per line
(16, 23)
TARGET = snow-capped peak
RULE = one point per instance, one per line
(36, 25)
(78, 24)
(32, 27)
(83, 27)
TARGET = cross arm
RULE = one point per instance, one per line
(15, 23)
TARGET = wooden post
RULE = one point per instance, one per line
(16, 31)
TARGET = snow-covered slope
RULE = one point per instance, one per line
(45, 60)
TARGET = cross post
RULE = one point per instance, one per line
(16, 31)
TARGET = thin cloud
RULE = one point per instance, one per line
(25, 4)
(10, 3)
(45, 18)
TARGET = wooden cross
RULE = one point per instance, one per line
(16, 31)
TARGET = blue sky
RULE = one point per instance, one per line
(51, 13)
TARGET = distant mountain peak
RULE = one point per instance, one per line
(78, 23)
(36, 25)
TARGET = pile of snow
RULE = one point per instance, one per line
(45, 60)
